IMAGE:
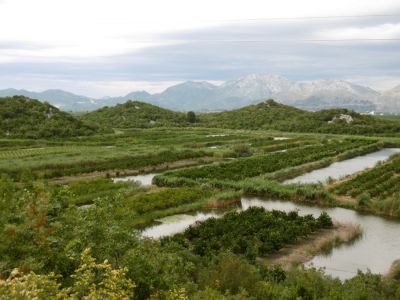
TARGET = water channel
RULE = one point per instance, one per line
(344, 168)
(376, 250)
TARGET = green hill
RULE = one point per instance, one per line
(266, 115)
(135, 114)
(272, 115)
(25, 117)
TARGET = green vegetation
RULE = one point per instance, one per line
(90, 281)
(84, 192)
(24, 117)
(254, 166)
(252, 233)
(165, 199)
(57, 201)
(272, 115)
(128, 162)
(376, 189)
(135, 114)
(48, 245)
(191, 117)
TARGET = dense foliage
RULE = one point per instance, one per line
(265, 115)
(48, 246)
(46, 226)
(252, 233)
(24, 117)
(165, 199)
(272, 115)
(91, 280)
(137, 115)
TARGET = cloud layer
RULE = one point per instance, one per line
(104, 47)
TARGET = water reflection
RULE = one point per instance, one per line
(344, 168)
(174, 224)
(144, 179)
(378, 247)
(375, 250)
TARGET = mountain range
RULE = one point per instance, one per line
(233, 94)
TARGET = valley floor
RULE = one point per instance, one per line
(58, 194)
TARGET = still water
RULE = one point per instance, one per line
(376, 250)
(344, 168)
(144, 179)
(174, 224)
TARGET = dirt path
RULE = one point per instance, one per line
(321, 241)
(132, 172)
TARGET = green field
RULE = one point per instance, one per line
(57, 200)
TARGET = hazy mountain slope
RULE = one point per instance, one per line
(61, 99)
(111, 101)
(250, 89)
(135, 114)
(24, 117)
(313, 95)
(390, 101)
(188, 96)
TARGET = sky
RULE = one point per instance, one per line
(110, 48)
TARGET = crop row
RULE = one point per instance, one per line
(19, 153)
(125, 162)
(379, 182)
(144, 203)
(242, 168)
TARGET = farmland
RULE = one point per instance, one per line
(66, 202)
(376, 189)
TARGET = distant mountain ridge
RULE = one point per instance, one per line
(233, 94)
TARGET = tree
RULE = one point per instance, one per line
(191, 117)
(91, 280)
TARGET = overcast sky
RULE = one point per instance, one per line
(100, 48)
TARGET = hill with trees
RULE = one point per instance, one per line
(272, 115)
(24, 117)
(266, 115)
(135, 114)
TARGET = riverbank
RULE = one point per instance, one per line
(323, 241)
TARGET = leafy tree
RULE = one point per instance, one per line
(191, 117)
(91, 281)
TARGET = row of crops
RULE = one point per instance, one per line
(380, 182)
(243, 168)
(29, 152)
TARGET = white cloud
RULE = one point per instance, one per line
(91, 88)
(90, 28)
(381, 31)
(99, 47)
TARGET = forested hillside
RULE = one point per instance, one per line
(24, 117)
(273, 115)
(266, 115)
(137, 115)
